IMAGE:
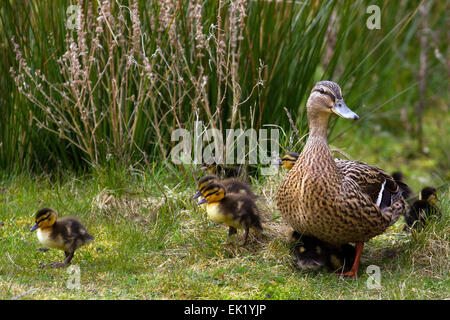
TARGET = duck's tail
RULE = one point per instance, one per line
(405, 190)
(393, 212)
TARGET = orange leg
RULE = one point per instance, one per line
(354, 270)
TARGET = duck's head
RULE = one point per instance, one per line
(429, 194)
(202, 183)
(45, 218)
(288, 160)
(213, 192)
(326, 97)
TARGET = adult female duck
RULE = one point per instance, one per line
(336, 203)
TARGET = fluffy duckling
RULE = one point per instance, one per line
(231, 186)
(288, 160)
(423, 209)
(211, 167)
(341, 260)
(238, 211)
(312, 254)
(66, 234)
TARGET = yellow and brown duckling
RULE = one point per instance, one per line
(231, 186)
(423, 210)
(237, 211)
(288, 160)
(67, 234)
(312, 254)
(336, 201)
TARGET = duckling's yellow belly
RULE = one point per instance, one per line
(44, 237)
(217, 215)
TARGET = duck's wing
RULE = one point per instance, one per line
(74, 231)
(358, 210)
(379, 186)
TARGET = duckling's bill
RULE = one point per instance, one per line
(202, 201)
(198, 194)
(277, 162)
(36, 225)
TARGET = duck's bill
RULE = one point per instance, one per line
(34, 227)
(343, 111)
(202, 201)
(198, 194)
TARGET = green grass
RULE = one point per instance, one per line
(169, 251)
(148, 247)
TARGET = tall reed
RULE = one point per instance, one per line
(115, 89)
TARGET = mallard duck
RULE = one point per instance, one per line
(312, 254)
(231, 186)
(423, 209)
(336, 201)
(238, 211)
(67, 234)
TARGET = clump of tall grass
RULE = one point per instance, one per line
(117, 86)
(116, 81)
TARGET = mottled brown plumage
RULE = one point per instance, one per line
(336, 201)
(369, 178)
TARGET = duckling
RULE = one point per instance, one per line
(400, 180)
(211, 167)
(66, 234)
(308, 252)
(341, 260)
(312, 254)
(231, 186)
(398, 176)
(238, 211)
(288, 160)
(423, 209)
